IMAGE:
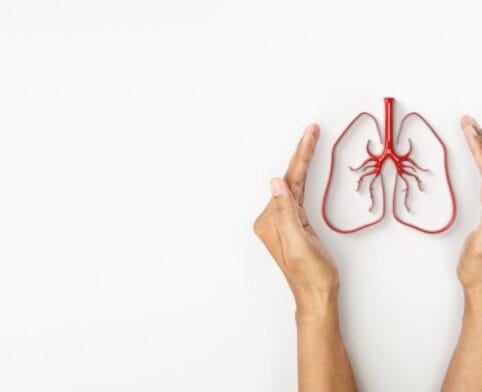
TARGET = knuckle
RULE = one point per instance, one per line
(259, 226)
(280, 211)
(305, 160)
(295, 181)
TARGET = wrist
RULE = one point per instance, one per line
(316, 304)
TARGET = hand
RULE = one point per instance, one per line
(284, 228)
(470, 265)
(464, 372)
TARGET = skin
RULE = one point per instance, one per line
(465, 369)
(323, 363)
(283, 227)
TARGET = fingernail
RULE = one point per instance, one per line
(312, 129)
(275, 185)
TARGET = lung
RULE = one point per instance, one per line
(432, 211)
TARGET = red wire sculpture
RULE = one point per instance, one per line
(405, 166)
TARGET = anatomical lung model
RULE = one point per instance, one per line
(355, 194)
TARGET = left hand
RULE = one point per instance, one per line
(284, 229)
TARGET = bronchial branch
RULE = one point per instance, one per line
(404, 164)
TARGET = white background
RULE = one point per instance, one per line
(137, 139)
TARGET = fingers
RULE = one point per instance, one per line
(282, 225)
(287, 221)
(473, 136)
(296, 174)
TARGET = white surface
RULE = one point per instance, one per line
(137, 140)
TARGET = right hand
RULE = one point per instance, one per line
(470, 265)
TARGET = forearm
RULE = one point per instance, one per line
(465, 369)
(323, 363)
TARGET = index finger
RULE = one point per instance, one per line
(473, 136)
(295, 176)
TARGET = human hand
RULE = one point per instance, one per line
(470, 265)
(464, 372)
(284, 229)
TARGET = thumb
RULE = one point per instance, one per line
(285, 212)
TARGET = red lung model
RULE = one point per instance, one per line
(408, 172)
